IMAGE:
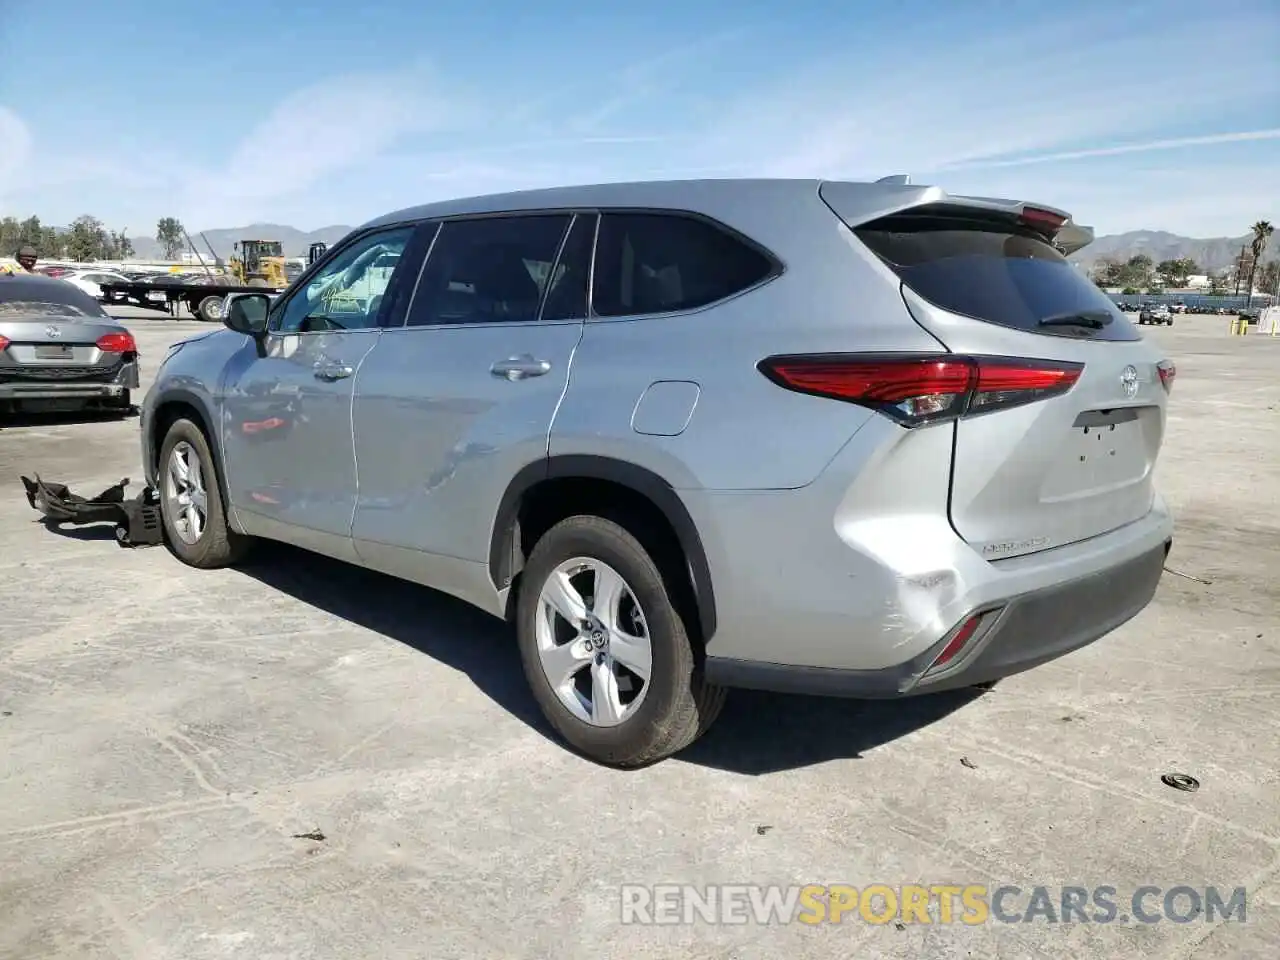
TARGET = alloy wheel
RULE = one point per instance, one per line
(185, 495)
(593, 642)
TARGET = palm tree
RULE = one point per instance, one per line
(1262, 231)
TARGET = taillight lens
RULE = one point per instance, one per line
(915, 389)
(1167, 372)
(4, 343)
(117, 343)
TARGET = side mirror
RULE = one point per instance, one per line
(247, 313)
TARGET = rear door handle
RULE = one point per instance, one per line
(330, 371)
(520, 368)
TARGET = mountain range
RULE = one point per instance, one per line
(295, 242)
(1216, 253)
(1213, 254)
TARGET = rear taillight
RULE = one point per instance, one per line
(4, 343)
(117, 343)
(916, 390)
(1167, 372)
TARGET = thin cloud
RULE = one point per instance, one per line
(653, 75)
(1175, 143)
(317, 132)
(872, 111)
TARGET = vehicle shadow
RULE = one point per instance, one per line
(29, 420)
(89, 532)
(758, 733)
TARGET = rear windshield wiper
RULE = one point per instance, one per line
(1095, 319)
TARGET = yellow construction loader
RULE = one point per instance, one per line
(259, 263)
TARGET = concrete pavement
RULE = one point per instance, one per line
(169, 739)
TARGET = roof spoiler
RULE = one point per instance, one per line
(1065, 234)
(860, 203)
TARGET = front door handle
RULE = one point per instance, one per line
(521, 367)
(331, 371)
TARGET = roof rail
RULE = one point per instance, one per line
(901, 179)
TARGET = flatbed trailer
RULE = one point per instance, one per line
(203, 301)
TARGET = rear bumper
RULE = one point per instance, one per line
(855, 588)
(33, 388)
(1029, 630)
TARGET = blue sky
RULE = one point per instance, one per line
(1157, 115)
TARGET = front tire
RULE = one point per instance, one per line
(191, 505)
(605, 650)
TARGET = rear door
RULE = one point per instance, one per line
(1032, 475)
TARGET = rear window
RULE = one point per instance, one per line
(38, 297)
(997, 272)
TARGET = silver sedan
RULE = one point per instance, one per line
(60, 351)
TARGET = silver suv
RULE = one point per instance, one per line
(863, 439)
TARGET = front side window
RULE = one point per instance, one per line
(488, 270)
(659, 262)
(347, 292)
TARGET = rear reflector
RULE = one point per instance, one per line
(957, 642)
(916, 389)
(117, 343)
(1167, 372)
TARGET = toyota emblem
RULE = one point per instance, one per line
(52, 332)
(1129, 381)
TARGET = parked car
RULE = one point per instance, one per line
(1156, 313)
(89, 280)
(843, 438)
(60, 351)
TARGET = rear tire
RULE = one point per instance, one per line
(664, 714)
(209, 543)
(210, 309)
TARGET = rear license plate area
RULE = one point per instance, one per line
(1105, 450)
(53, 351)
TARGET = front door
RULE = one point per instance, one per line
(286, 416)
(452, 404)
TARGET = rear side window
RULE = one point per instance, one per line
(657, 263)
(997, 272)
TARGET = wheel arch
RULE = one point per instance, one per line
(506, 556)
